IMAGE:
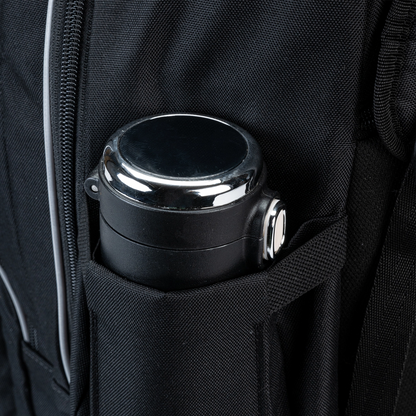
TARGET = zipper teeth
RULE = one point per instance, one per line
(69, 81)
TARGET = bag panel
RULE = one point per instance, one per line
(25, 247)
(48, 397)
(16, 387)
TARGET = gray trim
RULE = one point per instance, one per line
(19, 311)
(53, 203)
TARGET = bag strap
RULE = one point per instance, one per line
(391, 314)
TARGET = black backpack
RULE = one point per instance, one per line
(327, 88)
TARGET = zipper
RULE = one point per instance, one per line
(71, 44)
(67, 113)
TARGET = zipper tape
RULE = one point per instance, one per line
(53, 202)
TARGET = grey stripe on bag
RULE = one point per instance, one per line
(18, 308)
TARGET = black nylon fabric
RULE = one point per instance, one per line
(235, 60)
(307, 346)
(190, 352)
(25, 243)
(405, 102)
(374, 186)
(391, 314)
(47, 396)
(395, 41)
(310, 350)
(375, 19)
(406, 399)
(8, 406)
(15, 398)
(321, 257)
(213, 351)
(272, 393)
(298, 77)
(250, 63)
(376, 174)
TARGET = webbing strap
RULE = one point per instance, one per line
(391, 314)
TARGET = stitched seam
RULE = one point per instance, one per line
(58, 390)
(392, 347)
(37, 360)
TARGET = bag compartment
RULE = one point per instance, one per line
(174, 353)
(204, 351)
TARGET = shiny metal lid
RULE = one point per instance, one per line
(181, 162)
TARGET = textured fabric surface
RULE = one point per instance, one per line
(249, 63)
(377, 174)
(299, 77)
(289, 75)
(309, 344)
(391, 314)
(201, 351)
(48, 397)
(405, 102)
(374, 186)
(15, 388)
(25, 243)
(394, 44)
(406, 398)
(8, 406)
(320, 258)
(190, 352)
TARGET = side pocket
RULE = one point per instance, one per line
(178, 353)
(204, 351)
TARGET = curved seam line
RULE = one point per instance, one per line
(38, 361)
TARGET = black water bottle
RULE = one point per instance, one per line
(183, 202)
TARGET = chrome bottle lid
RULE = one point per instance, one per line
(189, 182)
(181, 162)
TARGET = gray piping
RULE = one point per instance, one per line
(19, 311)
(53, 202)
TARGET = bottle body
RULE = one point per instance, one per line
(188, 221)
